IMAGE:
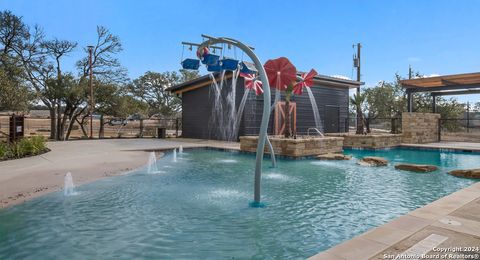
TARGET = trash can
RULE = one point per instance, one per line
(161, 132)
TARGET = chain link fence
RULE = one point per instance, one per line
(460, 130)
(378, 125)
(112, 127)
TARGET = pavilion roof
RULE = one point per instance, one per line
(456, 84)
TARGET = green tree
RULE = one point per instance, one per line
(14, 96)
(357, 100)
(151, 88)
(25, 48)
(58, 89)
(112, 100)
(389, 100)
(476, 107)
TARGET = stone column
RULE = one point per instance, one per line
(419, 128)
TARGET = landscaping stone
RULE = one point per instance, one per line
(302, 146)
(416, 167)
(376, 141)
(472, 173)
(334, 156)
(373, 161)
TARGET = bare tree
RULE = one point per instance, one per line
(60, 88)
(33, 59)
(13, 32)
(107, 67)
(14, 94)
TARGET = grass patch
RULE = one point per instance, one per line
(22, 148)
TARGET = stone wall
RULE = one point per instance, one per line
(418, 128)
(374, 141)
(304, 146)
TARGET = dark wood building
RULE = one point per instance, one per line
(198, 106)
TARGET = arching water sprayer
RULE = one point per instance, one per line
(214, 63)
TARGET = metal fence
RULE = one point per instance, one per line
(115, 129)
(378, 125)
(459, 130)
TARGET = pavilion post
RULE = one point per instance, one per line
(409, 101)
(434, 103)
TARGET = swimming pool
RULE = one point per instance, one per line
(197, 207)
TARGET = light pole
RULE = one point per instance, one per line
(90, 49)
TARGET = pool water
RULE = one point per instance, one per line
(197, 207)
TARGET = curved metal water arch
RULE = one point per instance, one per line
(262, 136)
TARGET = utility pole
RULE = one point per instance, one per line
(92, 104)
(410, 72)
(357, 64)
(468, 117)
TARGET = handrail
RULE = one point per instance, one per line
(316, 130)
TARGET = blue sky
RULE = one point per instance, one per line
(435, 37)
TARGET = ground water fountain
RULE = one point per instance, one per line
(152, 163)
(174, 159)
(69, 187)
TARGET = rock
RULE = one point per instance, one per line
(472, 173)
(373, 161)
(416, 167)
(334, 156)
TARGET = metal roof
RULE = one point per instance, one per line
(206, 80)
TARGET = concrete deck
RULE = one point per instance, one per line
(448, 145)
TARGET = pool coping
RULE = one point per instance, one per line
(439, 148)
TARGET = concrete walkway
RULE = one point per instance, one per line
(87, 160)
(467, 146)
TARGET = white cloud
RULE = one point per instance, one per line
(428, 76)
(340, 77)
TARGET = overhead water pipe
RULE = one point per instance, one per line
(262, 136)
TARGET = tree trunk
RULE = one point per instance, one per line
(360, 130)
(140, 135)
(82, 126)
(69, 128)
(59, 123)
(73, 117)
(53, 122)
(360, 125)
(288, 132)
(367, 124)
(66, 114)
(101, 131)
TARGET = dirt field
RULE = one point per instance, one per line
(41, 126)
